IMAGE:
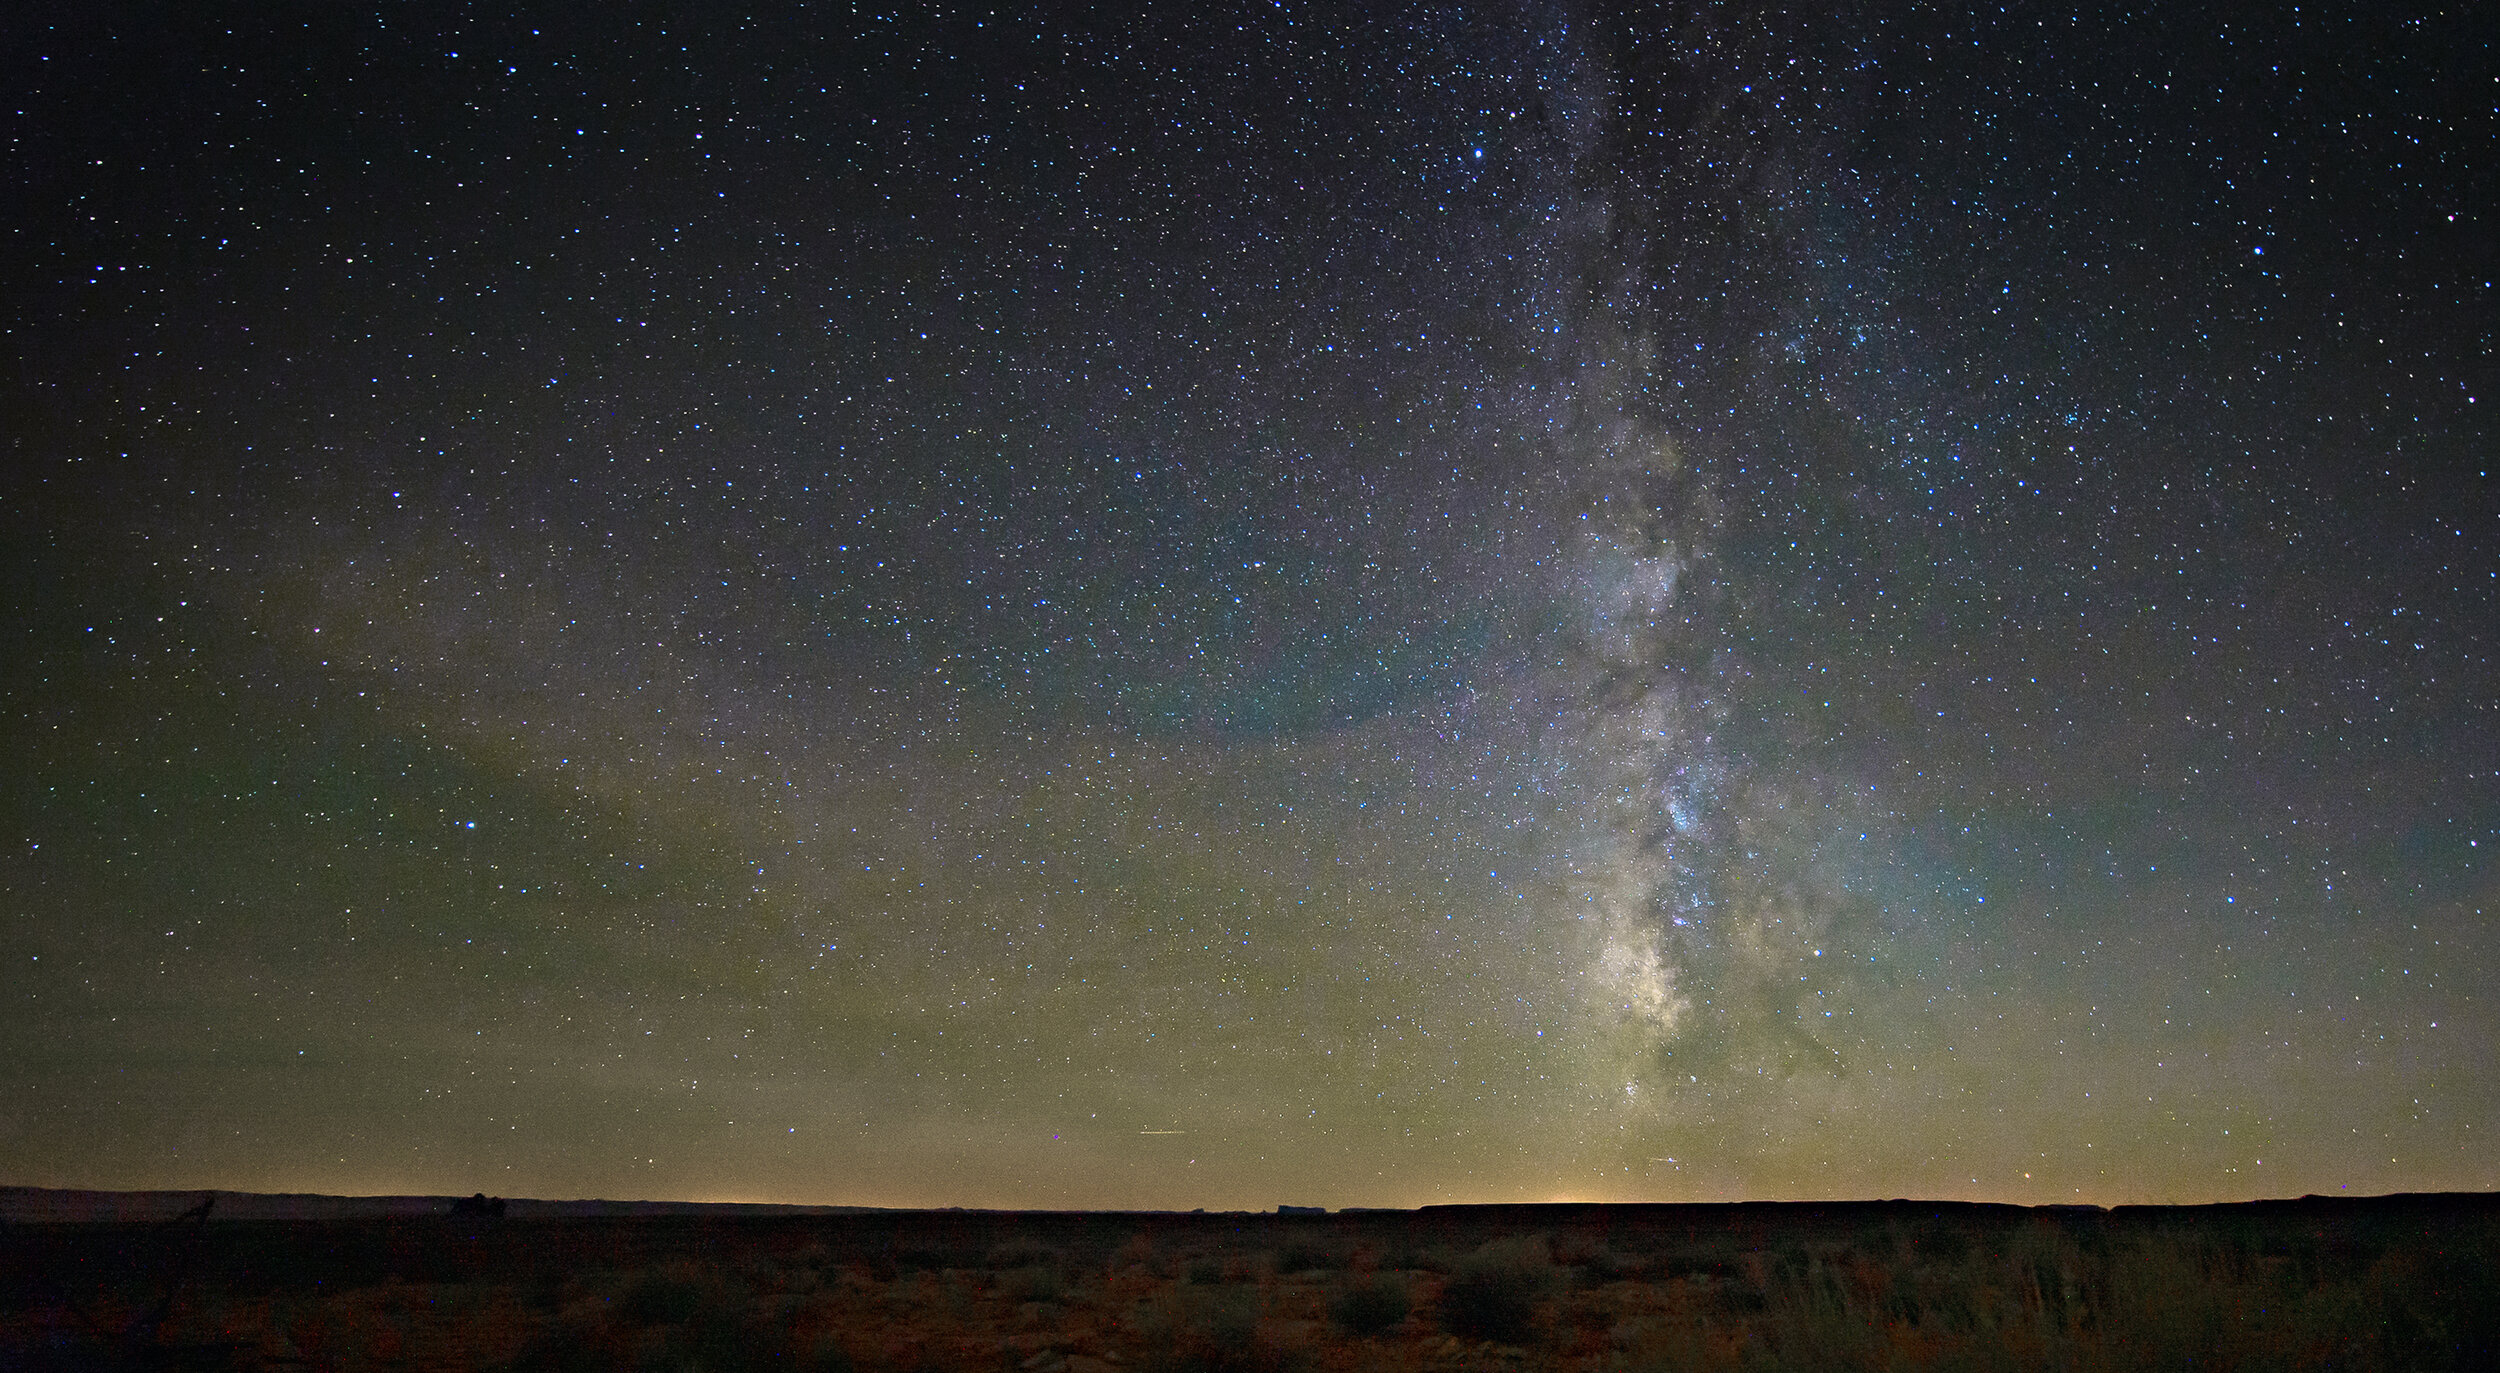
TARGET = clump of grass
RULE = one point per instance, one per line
(1811, 1318)
(1493, 1293)
(1371, 1306)
(1944, 1245)
(1204, 1330)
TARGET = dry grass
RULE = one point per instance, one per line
(1617, 1292)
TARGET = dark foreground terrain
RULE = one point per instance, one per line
(2409, 1282)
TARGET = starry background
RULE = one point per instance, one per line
(1208, 606)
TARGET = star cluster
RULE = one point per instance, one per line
(1200, 606)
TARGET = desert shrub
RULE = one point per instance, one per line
(2049, 1275)
(1787, 1266)
(796, 1280)
(1140, 1254)
(1662, 1346)
(1714, 1264)
(1206, 1272)
(1038, 1282)
(718, 1342)
(815, 1255)
(1943, 1243)
(1023, 1254)
(1737, 1299)
(1371, 1306)
(571, 1347)
(660, 1299)
(828, 1357)
(922, 1259)
(2340, 1260)
(1306, 1256)
(1493, 1295)
(1205, 1330)
(2166, 1305)
(1583, 1249)
(1605, 1265)
(2444, 1319)
(1880, 1243)
(1809, 1318)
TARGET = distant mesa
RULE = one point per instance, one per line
(1301, 1210)
(39, 1205)
(479, 1205)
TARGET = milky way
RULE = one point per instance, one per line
(1204, 609)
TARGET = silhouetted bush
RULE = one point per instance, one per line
(1305, 1256)
(1371, 1306)
(656, 1299)
(1603, 1266)
(1494, 1293)
(924, 1259)
(1023, 1255)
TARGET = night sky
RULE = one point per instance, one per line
(1221, 606)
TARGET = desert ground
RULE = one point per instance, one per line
(2399, 1283)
